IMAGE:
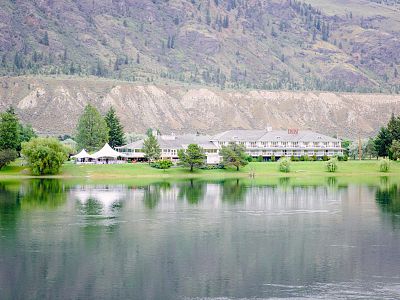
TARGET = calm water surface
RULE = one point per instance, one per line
(199, 240)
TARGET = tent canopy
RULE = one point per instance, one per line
(107, 152)
(81, 155)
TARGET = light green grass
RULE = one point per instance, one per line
(125, 171)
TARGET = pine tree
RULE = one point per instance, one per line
(116, 130)
(92, 130)
(192, 157)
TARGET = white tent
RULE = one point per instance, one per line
(82, 155)
(107, 152)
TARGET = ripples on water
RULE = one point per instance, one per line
(199, 240)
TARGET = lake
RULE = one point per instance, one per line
(229, 239)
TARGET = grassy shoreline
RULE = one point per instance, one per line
(126, 171)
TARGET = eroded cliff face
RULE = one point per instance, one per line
(53, 106)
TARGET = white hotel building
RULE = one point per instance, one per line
(266, 143)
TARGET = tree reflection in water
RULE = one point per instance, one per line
(43, 193)
(152, 193)
(233, 191)
(192, 191)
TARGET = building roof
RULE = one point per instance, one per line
(81, 155)
(239, 135)
(176, 142)
(107, 152)
(301, 136)
(271, 136)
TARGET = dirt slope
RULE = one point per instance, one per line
(53, 106)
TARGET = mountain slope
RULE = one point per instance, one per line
(183, 108)
(339, 45)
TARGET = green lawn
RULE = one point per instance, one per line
(298, 169)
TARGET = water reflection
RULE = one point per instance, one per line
(388, 198)
(192, 191)
(232, 238)
(43, 193)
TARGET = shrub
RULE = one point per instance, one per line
(284, 165)
(249, 158)
(332, 165)
(273, 158)
(7, 156)
(314, 158)
(165, 164)
(294, 158)
(212, 167)
(260, 159)
(45, 156)
(325, 158)
(384, 165)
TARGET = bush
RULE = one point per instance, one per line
(332, 165)
(384, 165)
(7, 156)
(314, 158)
(249, 158)
(162, 164)
(294, 158)
(325, 158)
(45, 156)
(273, 158)
(260, 159)
(284, 165)
(212, 167)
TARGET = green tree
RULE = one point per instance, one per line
(346, 147)
(370, 149)
(26, 133)
(234, 155)
(151, 148)
(383, 142)
(7, 156)
(9, 130)
(116, 130)
(393, 128)
(395, 150)
(45, 156)
(193, 157)
(92, 130)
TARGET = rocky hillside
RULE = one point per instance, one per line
(53, 106)
(342, 45)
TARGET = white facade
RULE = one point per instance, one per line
(258, 143)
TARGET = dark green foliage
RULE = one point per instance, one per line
(26, 133)
(325, 158)
(7, 156)
(92, 130)
(192, 157)
(45, 156)
(395, 150)
(234, 155)
(151, 148)
(9, 130)
(115, 129)
(386, 136)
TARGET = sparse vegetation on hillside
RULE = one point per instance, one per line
(225, 43)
